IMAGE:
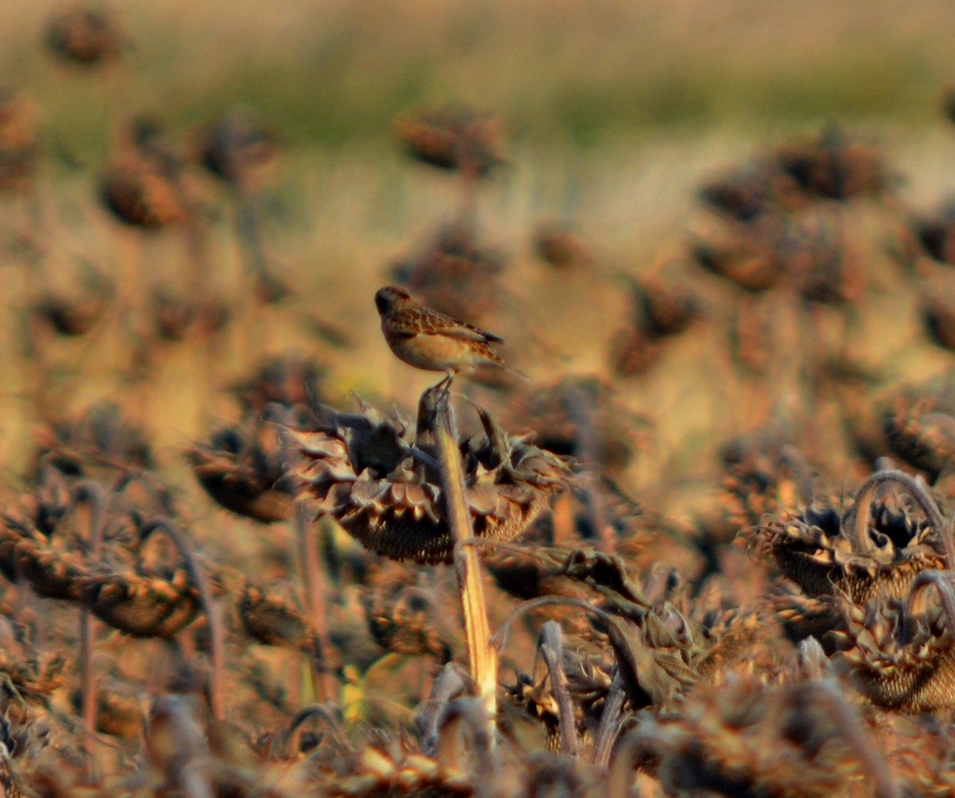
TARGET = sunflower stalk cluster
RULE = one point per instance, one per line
(431, 498)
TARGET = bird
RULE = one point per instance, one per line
(430, 340)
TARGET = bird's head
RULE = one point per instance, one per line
(389, 297)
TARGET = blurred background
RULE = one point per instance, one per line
(613, 114)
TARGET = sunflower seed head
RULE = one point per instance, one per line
(814, 549)
(370, 475)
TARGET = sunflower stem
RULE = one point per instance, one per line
(312, 576)
(551, 648)
(90, 493)
(216, 632)
(482, 657)
(861, 512)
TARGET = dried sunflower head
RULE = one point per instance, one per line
(100, 438)
(747, 255)
(744, 194)
(919, 426)
(145, 604)
(938, 313)
(458, 139)
(288, 380)
(556, 243)
(19, 141)
(659, 650)
(273, 617)
(118, 709)
(764, 473)
(634, 352)
(177, 314)
(822, 264)
(830, 165)
(85, 36)
(937, 304)
(746, 738)
(900, 660)
(34, 676)
(936, 233)
(852, 385)
(142, 192)
(173, 313)
(76, 312)
(572, 410)
(664, 308)
(382, 485)
(407, 621)
(132, 585)
(454, 273)
(245, 469)
(235, 146)
(878, 547)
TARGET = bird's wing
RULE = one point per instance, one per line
(432, 322)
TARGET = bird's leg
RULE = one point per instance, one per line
(445, 383)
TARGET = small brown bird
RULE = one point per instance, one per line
(428, 339)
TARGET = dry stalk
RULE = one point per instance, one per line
(862, 509)
(471, 713)
(447, 686)
(942, 580)
(551, 648)
(263, 288)
(91, 494)
(316, 603)
(609, 721)
(216, 693)
(582, 415)
(482, 658)
(845, 716)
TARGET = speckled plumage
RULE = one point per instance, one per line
(428, 339)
